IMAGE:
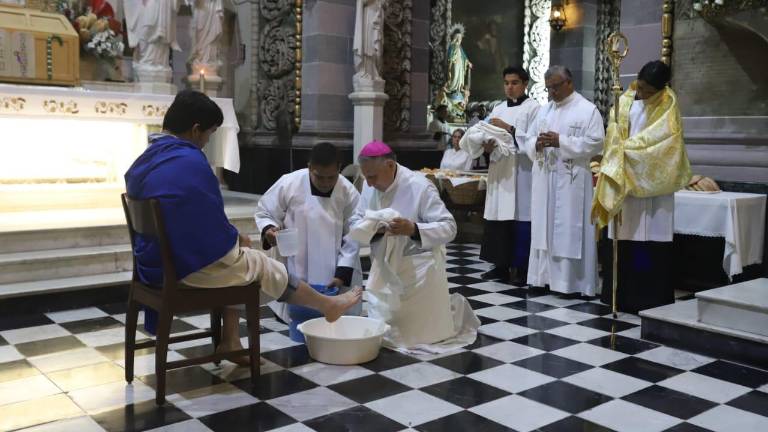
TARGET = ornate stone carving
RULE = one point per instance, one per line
(59, 107)
(112, 108)
(397, 64)
(150, 110)
(12, 103)
(536, 46)
(279, 60)
(608, 20)
(438, 43)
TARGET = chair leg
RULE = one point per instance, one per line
(161, 353)
(216, 331)
(131, 317)
(252, 315)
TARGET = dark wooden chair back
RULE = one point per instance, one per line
(145, 217)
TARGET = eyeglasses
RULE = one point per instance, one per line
(555, 87)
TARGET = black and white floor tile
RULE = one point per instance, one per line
(541, 363)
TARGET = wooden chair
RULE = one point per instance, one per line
(145, 217)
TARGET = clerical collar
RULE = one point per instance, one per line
(567, 100)
(513, 103)
(317, 192)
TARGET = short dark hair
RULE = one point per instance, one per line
(441, 107)
(656, 73)
(516, 70)
(189, 108)
(324, 154)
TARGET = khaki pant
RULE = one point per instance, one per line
(242, 266)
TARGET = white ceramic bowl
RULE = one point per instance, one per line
(348, 341)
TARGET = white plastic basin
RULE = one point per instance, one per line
(348, 341)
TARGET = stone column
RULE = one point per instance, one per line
(368, 100)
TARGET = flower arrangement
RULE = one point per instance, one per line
(94, 20)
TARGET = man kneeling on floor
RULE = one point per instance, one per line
(401, 215)
(207, 249)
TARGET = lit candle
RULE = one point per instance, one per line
(202, 81)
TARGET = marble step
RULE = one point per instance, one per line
(64, 263)
(51, 286)
(107, 230)
(742, 306)
(678, 325)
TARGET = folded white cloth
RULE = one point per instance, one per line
(473, 139)
(408, 289)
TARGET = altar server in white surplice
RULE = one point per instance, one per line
(319, 203)
(407, 225)
(567, 132)
(507, 232)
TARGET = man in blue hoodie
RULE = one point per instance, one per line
(207, 249)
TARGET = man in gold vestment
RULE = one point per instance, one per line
(644, 164)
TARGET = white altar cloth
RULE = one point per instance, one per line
(738, 217)
(149, 109)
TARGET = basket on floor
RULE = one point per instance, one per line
(464, 194)
(434, 180)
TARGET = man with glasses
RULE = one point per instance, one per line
(567, 132)
(318, 202)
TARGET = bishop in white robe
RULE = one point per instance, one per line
(566, 133)
(507, 232)
(416, 302)
(319, 203)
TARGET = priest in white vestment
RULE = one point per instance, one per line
(403, 218)
(645, 163)
(319, 203)
(507, 232)
(566, 133)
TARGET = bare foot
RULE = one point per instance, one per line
(339, 304)
(239, 360)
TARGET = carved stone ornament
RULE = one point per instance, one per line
(279, 60)
(536, 46)
(112, 108)
(12, 103)
(438, 43)
(58, 107)
(608, 20)
(397, 64)
(150, 110)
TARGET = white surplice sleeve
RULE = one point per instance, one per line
(348, 254)
(436, 224)
(272, 206)
(526, 138)
(587, 144)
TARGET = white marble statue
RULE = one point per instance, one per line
(205, 31)
(368, 46)
(151, 26)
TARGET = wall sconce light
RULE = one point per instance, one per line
(557, 18)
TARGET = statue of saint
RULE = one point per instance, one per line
(206, 30)
(368, 47)
(455, 92)
(151, 26)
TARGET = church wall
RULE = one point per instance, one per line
(574, 45)
(641, 23)
(419, 65)
(327, 69)
(722, 142)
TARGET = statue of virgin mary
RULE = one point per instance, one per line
(456, 88)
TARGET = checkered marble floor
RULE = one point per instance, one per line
(541, 363)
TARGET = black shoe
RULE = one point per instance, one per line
(520, 280)
(496, 273)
